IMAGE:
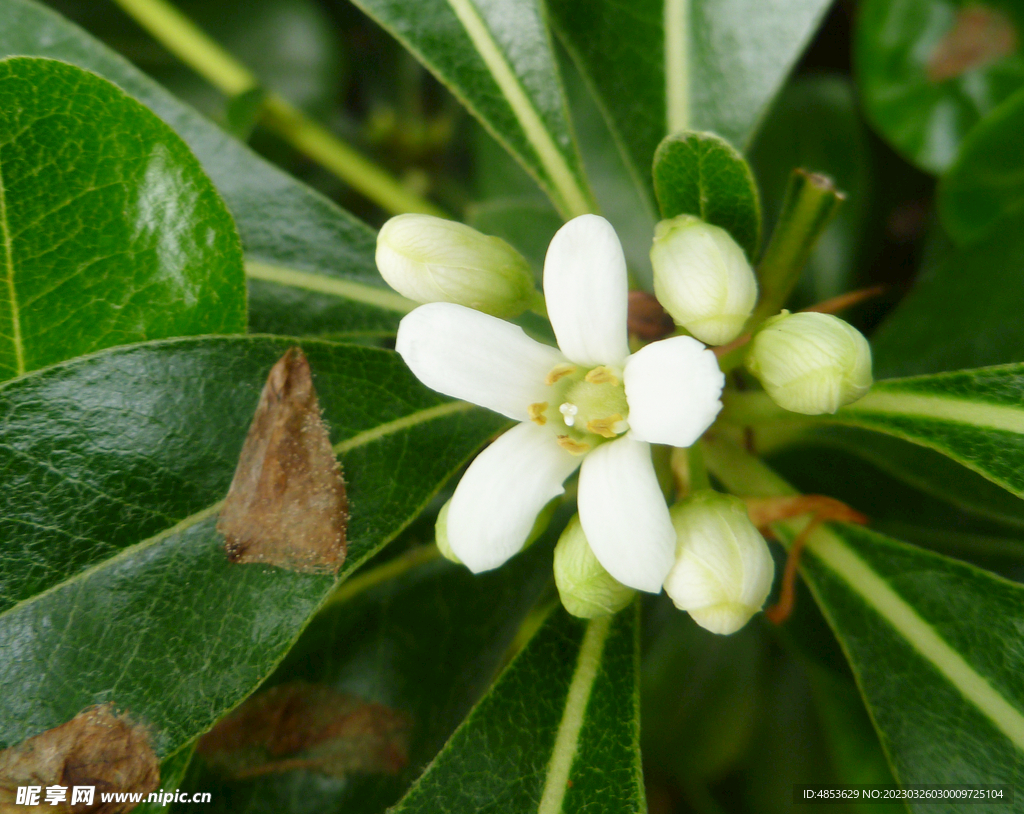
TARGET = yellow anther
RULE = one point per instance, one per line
(608, 427)
(559, 372)
(537, 413)
(573, 447)
(602, 375)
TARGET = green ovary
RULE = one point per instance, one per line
(585, 408)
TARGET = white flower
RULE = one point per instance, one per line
(588, 402)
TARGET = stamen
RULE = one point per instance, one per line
(607, 427)
(601, 375)
(559, 372)
(537, 411)
(568, 412)
(573, 447)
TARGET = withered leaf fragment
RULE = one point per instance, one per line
(299, 725)
(287, 505)
(95, 748)
(979, 37)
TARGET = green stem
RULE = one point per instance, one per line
(191, 45)
(739, 471)
(811, 202)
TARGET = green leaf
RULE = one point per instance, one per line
(425, 643)
(941, 508)
(111, 232)
(296, 241)
(497, 59)
(701, 174)
(559, 731)
(963, 312)
(986, 182)
(663, 66)
(935, 644)
(114, 586)
(929, 70)
(815, 124)
(976, 417)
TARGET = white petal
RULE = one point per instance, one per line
(624, 515)
(501, 494)
(673, 389)
(586, 288)
(479, 358)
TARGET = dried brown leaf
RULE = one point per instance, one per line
(95, 748)
(979, 36)
(287, 505)
(299, 725)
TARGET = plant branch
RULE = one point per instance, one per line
(191, 45)
(811, 202)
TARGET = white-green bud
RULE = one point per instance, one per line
(723, 569)
(702, 278)
(811, 363)
(586, 589)
(430, 259)
(441, 535)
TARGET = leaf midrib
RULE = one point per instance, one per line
(588, 664)
(574, 199)
(981, 414)
(356, 441)
(676, 24)
(19, 352)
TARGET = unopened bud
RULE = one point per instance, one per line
(723, 569)
(586, 589)
(811, 363)
(441, 535)
(702, 278)
(430, 259)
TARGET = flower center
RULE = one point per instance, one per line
(586, 407)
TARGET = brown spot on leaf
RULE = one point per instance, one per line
(646, 318)
(307, 726)
(980, 35)
(95, 748)
(287, 505)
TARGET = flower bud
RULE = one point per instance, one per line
(811, 363)
(702, 278)
(441, 535)
(430, 259)
(723, 569)
(586, 589)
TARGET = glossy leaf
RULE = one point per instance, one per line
(663, 66)
(425, 643)
(946, 700)
(929, 70)
(985, 183)
(701, 174)
(898, 482)
(976, 417)
(963, 312)
(111, 232)
(114, 586)
(497, 59)
(557, 732)
(314, 255)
